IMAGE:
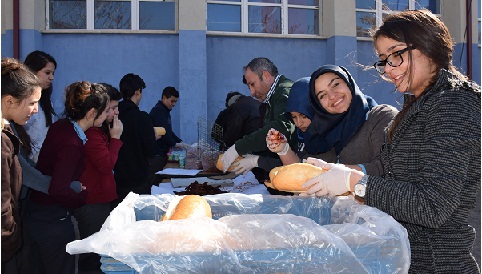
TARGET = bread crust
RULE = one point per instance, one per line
(190, 206)
(292, 177)
(160, 131)
(219, 163)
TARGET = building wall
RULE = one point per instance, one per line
(204, 67)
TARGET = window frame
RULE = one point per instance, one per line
(284, 6)
(379, 12)
(90, 18)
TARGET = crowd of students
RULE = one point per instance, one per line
(420, 165)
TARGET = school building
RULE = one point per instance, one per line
(201, 46)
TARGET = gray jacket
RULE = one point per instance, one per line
(432, 176)
(364, 147)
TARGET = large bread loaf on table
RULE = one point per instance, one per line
(190, 206)
(291, 177)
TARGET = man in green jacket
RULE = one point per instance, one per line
(272, 90)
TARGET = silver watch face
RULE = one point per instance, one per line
(360, 190)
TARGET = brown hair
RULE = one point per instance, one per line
(19, 82)
(80, 97)
(408, 27)
(17, 79)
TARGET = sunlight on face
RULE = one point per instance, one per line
(46, 75)
(22, 110)
(422, 67)
(258, 87)
(333, 93)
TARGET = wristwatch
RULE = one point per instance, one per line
(361, 186)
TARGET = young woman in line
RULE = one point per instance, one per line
(20, 95)
(101, 152)
(62, 156)
(44, 66)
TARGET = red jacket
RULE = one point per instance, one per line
(62, 157)
(98, 176)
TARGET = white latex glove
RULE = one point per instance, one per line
(335, 181)
(246, 164)
(315, 161)
(276, 142)
(229, 157)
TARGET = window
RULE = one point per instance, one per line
(112, 14)
(370, 13)
(264, 16)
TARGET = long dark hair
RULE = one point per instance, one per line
(37, 60)
(408, 27)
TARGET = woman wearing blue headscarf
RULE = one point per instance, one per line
(348, 125)
(299, 109)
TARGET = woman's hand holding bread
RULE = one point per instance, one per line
(229, 157)
(335, 181)
(316, 162)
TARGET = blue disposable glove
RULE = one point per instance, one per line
(246, 164)
(229, 157)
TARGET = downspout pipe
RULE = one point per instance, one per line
(16, 29)
(468, 10)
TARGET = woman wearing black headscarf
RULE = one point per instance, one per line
(351, 123)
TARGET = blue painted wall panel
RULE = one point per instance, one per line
(193, 98)
(295, 58)
(203, 68)
(7, 44)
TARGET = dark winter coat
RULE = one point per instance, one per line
(161, 117)
(139, 143)
(242, 119)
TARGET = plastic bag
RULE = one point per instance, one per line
(252, 234)
(209, 159)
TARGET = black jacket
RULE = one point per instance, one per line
(139, 143)
(242, 119)
(161, 117)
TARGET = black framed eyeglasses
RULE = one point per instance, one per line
(394, 59)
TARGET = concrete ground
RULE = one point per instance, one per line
(474, 221)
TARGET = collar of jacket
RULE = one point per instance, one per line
(272, 89)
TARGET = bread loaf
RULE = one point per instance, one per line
(292, 177)
(219, 164)
(273, 172)
(190, 206)
(160, 131)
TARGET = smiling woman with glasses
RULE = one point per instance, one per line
(394, 59)
(431, 155)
